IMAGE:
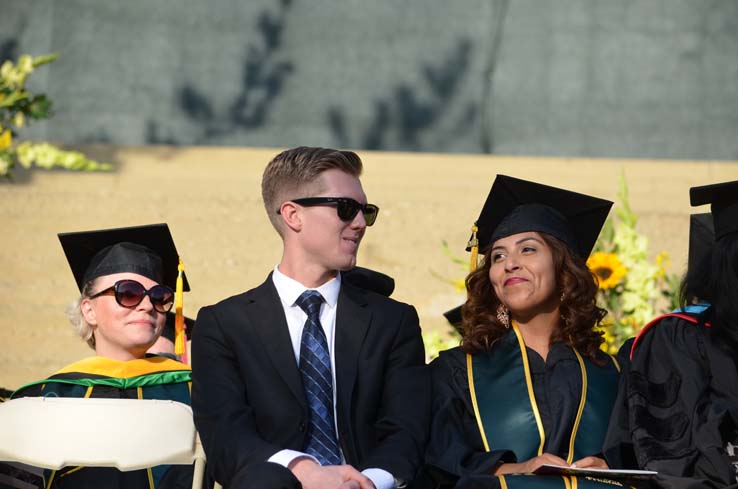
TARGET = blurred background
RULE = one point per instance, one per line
(188, 100)
(575, 78)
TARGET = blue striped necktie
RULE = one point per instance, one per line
(317, 381)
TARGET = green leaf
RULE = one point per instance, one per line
(13, 98)
(45, 59)
(39, 107)
(454, 258)
(605, 241)
(6, 163)
(624, 212)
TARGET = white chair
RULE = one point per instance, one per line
(129, 434)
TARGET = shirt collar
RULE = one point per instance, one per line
(290, 289)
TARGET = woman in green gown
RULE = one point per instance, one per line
(126, 278)
(529, 384)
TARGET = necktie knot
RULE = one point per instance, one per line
(310, 302)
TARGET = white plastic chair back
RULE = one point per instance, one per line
(129, 434)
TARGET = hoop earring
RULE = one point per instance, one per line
(503, 315)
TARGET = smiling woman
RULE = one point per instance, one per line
(538, 278)
(529, 385)
(522, 275)
(126, 278)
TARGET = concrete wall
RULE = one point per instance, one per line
(585, 78)
(211, 199)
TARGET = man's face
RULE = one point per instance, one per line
(328, 243)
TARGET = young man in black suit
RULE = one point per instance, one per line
(307, 381)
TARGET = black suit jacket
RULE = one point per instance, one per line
(247, 393)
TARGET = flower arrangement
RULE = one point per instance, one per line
(436, 341)
(17, 108)
(632, 288)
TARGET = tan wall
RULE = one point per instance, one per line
(211, 199)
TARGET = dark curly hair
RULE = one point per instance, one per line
(579, 311)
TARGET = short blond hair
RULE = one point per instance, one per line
(74, 312)
(292, 175)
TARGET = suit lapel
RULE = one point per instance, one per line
(267, 314)
(352, 323)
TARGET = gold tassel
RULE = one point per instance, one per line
(473, 246)
(179, 325)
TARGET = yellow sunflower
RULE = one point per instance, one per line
(608, 268)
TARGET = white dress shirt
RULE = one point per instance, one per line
(289, 290)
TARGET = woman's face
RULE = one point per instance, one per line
(122, 333)
(523, 275)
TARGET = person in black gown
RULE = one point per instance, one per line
(529, 384)
(126, 278)
(677, 409)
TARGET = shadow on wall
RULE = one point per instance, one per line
(9, 44)
(8, 50)
(400, 120)
(264, 75)
(401, 117)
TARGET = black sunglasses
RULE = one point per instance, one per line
(129, 293)
(346, 208)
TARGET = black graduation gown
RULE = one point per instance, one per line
(677, 408)
(456, 450)
(150, 378)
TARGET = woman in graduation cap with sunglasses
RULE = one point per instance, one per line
(529, 385)
(677, 409)
(126, 278)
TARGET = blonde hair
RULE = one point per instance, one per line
(74, 313)
(292, 174)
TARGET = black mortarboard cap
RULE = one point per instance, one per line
(724, 199)
(146, 250)
(701, 238)
(516, 206)
(168, 331)
(367, 279)
(453, 316)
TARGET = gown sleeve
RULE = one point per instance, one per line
(618, 445)
(668, 417)
(456, 448)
